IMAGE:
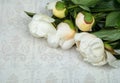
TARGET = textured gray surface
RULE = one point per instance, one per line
(24, 59)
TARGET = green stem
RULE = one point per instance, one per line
(71, 7)
(106, 10)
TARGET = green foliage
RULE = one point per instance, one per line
(106, 6)
(85, 2)
(30, 14)
(118, 1)
(108, 35)
(84, 7)
(115, 44)
(113, 19)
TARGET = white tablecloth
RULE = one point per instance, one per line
(25, 59)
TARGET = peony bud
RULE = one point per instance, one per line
(58, 8)
(66, 32)
(84, 21)
(64, 36)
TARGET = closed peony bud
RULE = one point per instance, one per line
(66, 32)
(84, 21)
(58, 8)
(64, 36)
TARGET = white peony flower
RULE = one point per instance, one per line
(91, 48)
(58, 8)
(84, 21)
(41, 26)
(64, 36)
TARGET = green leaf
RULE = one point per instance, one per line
(106, 6)
(85, 2)
(73, 12)
(30, 14)
(84, 7)
(115, 44)
(113, 19)
(108, 35)
(118, 1)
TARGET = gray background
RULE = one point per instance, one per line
(25, 59)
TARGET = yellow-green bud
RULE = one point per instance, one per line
(59, 9)
(84, 21)
(69, 22)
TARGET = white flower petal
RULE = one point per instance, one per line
(39, 17)
(41, 28)
(66, 35)
(63, 37)
(103, 62)
(64, 31)
(51, 5)
(67, 44)
(112, 61)
(91, 48)
(53, 40)
(79, 36)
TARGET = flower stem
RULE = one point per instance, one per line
(71, 7)
(101, 10)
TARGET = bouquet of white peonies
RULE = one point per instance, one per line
(92, 25)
